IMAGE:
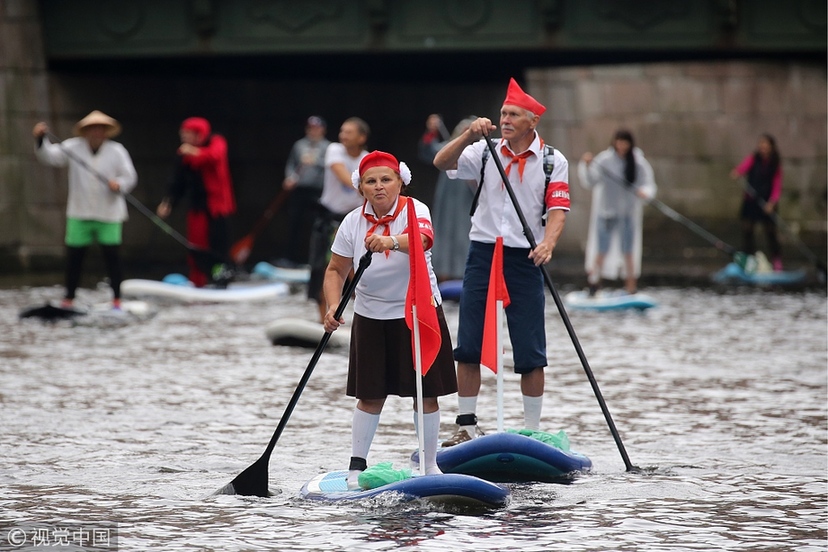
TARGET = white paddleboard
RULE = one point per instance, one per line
(303, 333)
(184, 293)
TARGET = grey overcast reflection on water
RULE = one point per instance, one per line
(719, 396)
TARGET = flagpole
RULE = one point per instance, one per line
(499, 365)
(418, 365)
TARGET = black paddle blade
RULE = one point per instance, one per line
(250, 482)
(50, 313)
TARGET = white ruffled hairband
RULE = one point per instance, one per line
(405, 174)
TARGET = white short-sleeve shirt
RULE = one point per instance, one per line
(337, 197)
(381, 291)
(495, 215)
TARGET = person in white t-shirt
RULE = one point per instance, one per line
(380, 362)
(338, 198)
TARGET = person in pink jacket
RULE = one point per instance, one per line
(762, 170)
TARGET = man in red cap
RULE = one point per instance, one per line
(203, 174)
(540, 196)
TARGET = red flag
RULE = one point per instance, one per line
(419, 295)
(497, 292)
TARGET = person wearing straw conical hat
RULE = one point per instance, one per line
(621, 180)
(95, 210)
(544, 200)
(380, 362)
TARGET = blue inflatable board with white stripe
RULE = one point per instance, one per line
(447, 488)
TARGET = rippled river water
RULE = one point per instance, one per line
(720, 398)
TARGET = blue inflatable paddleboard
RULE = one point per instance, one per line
(267, 271)
(734, 274)
(447, 488)
(451, 290)
(510, 458)
(608, 300)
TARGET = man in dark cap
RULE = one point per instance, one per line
(304, 177)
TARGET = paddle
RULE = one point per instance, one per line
(242, 248)
(820, 265)
(253, 480)
(203, 256)
(739, 257)
(559, 303)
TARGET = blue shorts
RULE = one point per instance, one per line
(607, 226)
(524, 315)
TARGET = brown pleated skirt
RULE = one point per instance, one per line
(381, 361)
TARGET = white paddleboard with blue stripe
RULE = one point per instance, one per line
(608, 300)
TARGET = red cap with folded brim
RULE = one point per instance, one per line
(516, 96)
(378, 159)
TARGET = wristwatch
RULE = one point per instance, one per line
(396, 246)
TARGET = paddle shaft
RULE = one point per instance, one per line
(672, 214)
(130, 198)
(242, 247)
(561, 309)
(364, 261)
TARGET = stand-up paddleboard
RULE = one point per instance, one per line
(189, 294)
(605, 300)
(103, 314)
(267, 271)
(510, 458)
(296, 332)
(447, 488)
(451, 290)
(734, 274)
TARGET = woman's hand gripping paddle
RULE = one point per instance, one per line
(562, 310)
(253, 481)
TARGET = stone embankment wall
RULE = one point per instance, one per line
(695, 121)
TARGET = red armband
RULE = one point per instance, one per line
(427, 231)
(557, 195)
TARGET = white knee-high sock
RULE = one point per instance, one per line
(362, 432)
(532, 407)
(363, 429)
(431, 436)
(467, 405)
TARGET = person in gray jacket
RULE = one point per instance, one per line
(304, 178)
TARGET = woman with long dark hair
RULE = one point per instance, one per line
(763, 171)
(620, 179)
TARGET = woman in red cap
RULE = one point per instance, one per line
(380, 362)
(203, 174)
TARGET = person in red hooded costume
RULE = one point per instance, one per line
(202, 174)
